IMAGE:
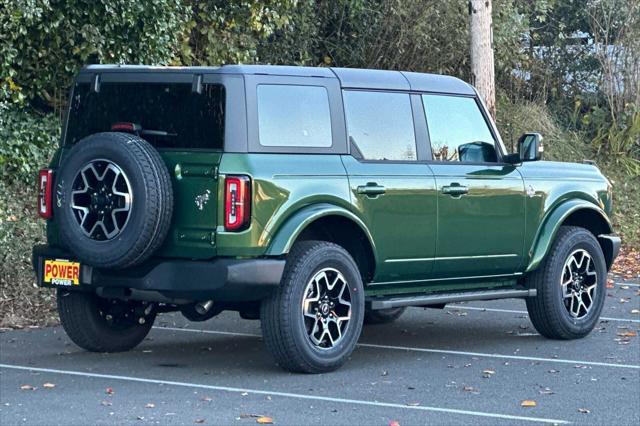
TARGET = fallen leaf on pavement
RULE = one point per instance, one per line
(264, 420)
(528, 403)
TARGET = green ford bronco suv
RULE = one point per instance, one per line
(313, 199)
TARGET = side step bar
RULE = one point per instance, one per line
(441, 299)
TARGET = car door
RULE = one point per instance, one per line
(481, 201)
(393, 192)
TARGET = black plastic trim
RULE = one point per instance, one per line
(226, 279)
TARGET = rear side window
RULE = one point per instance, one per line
(458, 130)
(380, 125)
(171, 115)
(294, 116)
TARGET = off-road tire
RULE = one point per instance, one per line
(282, 325)
(152, 200)
(382, 316)
(80, 317)
(546, 310)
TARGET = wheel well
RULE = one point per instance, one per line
(593, 222)
(347, 234)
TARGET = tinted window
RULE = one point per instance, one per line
(180, 117)
(457, 129)
(380, 125)
(296, 116)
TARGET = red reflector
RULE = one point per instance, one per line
(237, 202)
(126, 127)
(45, 184)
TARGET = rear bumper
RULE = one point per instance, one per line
(225, 279)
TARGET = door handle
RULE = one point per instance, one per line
(455, 190)
(371, 189)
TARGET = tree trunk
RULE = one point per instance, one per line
(482, 67)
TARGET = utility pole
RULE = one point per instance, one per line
(482, 62)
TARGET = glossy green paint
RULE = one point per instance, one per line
(480, 232)
(293, 227)
(402, 221)
(558, 190)
(283, 186)
(195, 190)
(423, 240)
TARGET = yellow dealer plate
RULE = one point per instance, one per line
(61, 272)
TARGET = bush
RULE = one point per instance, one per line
(44, 43)
(21, 303)
(520, 116)
(27, 141)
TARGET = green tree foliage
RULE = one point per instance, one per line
(27, 141)
(43, 43)
(222, 32)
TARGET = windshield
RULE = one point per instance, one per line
(170, 115)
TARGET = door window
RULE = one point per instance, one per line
(380, 125)
(294, 116)
(458, 130)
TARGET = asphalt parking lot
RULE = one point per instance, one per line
(470, 363)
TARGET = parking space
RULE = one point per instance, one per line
(473, 362)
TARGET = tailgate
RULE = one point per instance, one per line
(195, 191)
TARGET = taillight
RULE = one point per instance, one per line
(126, 127)
(45, 184)
(237, 202)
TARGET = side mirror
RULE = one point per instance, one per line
(530, 147)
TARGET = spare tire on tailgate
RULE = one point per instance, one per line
(113, 200)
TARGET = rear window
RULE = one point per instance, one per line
(171, 115)
(294, 116)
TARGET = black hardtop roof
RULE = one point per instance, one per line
(353, 78)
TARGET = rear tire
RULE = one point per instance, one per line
(103, 325)
(307, 323)
(383, 316)
(571, 310)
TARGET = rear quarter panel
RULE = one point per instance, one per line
(282, 185)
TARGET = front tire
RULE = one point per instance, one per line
(103, 325)
(570, 286)
(312, 322)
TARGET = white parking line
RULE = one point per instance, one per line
(286, 394)
(429, 350)
(629, 284)
(513, 311)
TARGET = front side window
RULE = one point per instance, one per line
(380, 125)
(293, 116)
(458, 130)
